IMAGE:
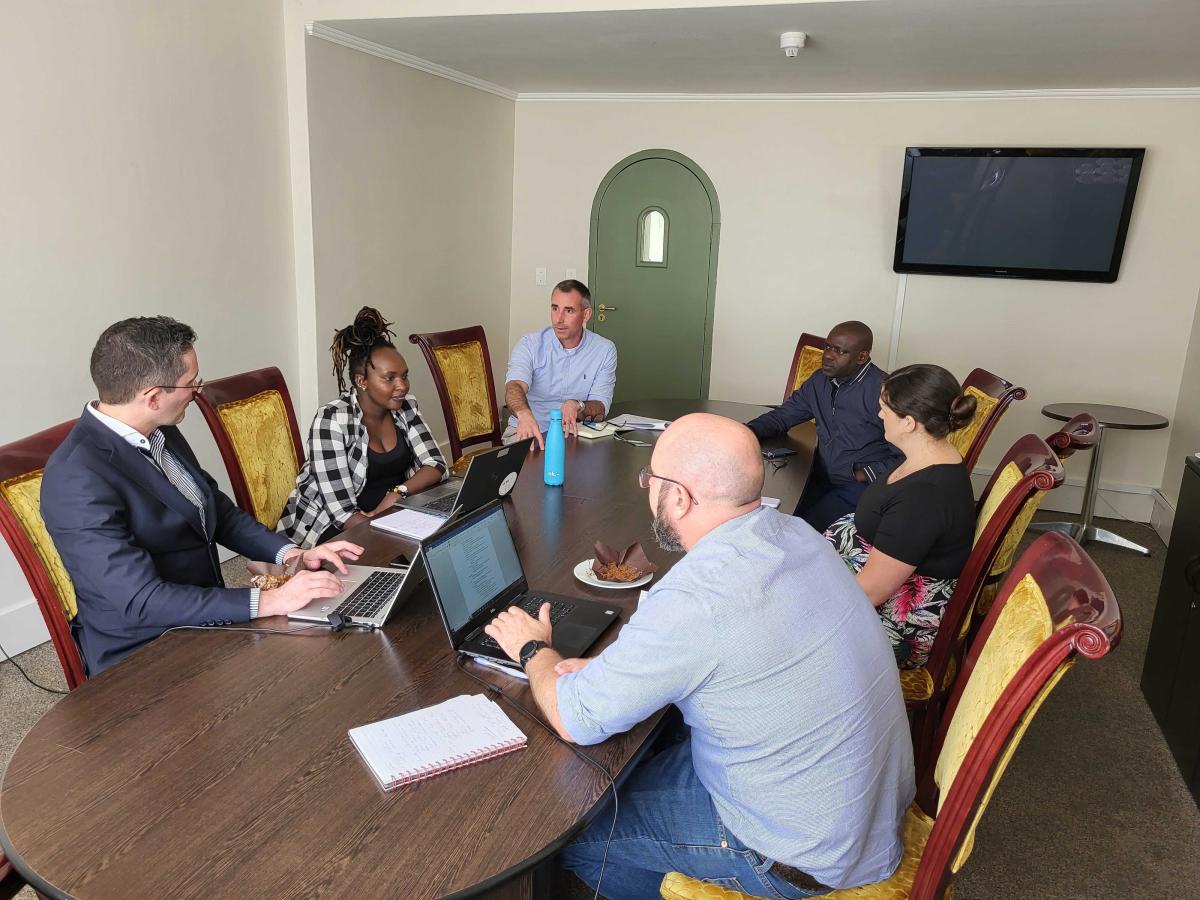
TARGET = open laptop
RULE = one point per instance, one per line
(475, 574)
(490, 475)
(372, 595)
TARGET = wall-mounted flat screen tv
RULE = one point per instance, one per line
(1016, 213)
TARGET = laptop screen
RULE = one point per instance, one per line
(472, 565)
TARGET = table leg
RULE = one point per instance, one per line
(1084, 531)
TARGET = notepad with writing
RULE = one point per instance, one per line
(459, 732)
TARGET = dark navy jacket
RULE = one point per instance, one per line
(133, 545)
(849, 430)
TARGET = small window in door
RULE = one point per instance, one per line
(652, 238)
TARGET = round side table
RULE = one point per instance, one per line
(1120, 417)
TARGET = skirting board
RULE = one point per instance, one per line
(1135, 502)
(1162, 517)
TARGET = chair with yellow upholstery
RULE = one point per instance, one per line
(1055, 606)
(1081, 433)
(805, 362)
(993, 395)
(21, 465)
(462, 371)
(1009, 500)
(251, 418)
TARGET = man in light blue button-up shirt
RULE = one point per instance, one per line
(563, 366)
(798, 769)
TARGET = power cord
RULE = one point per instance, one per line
(295, 632)
(461, 659)
(25, 675)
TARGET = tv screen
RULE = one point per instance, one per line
(1016, 213)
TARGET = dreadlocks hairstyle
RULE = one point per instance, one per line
(353, 345)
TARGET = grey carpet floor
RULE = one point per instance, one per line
(1092, 804)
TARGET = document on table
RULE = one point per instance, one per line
(459, 732)
(640, 423)
(409, 523)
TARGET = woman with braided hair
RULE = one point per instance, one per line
(368, 448)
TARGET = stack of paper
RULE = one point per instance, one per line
(409, 523)
(639, 423)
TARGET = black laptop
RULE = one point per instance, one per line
(475, 574)
(490, 475)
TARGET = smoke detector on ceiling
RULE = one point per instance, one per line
(790, 43)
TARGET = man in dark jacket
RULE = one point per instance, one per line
(136, 520)
(843, 397)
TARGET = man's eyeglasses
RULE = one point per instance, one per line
(830, 348)
(645, 475)
(196, 387)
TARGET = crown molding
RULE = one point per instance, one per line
(334, 36)
(1186, 93)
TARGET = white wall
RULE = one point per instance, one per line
(809, 193)
(412, 206)
(145, 171)
(1185, 426)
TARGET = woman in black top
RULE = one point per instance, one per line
(910, 537)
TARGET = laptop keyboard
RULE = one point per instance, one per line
(371, 596)
(532, 605)
(443, 504)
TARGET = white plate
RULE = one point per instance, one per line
(584, 573)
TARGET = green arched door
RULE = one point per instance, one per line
(652, 267)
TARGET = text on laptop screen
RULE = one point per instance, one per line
(472, 566)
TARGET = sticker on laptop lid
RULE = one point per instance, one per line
(506, 485)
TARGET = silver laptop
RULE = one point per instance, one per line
(372, 595)
(490, 475)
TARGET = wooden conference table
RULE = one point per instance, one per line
(214, 764)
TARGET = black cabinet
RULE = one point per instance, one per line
(1171, 674)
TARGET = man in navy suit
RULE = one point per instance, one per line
(135, 518)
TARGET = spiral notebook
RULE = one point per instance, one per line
(460, 732)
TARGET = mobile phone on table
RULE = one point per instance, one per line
(777, 452)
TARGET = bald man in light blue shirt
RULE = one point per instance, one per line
(563, 366)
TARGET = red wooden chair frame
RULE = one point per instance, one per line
(1081, 433)
(1004, 392)
(19, 458)
(1040, 471)
(806, 340)
(1087, 621)
(230, 389)
(430, 341)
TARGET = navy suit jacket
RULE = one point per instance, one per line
(134, 546)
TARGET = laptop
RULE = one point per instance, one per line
(372, 595)
(475, 574)
(490, 475)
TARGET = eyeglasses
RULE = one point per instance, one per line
(197, 387)
(838, 350)
(645, 475)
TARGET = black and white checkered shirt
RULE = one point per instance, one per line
(335, 470)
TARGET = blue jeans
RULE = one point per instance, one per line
(667, 823)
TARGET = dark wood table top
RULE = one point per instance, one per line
(216, 763)
(1122, 417)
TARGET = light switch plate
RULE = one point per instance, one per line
(539, 277)
(572, 273)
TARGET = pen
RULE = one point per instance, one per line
(515, 673)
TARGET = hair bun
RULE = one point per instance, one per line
(369, 325)
(962, 411)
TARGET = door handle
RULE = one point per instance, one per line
(604, 308)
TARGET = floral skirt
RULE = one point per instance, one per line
(911, 615)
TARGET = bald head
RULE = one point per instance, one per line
(858, 332)
(847, 350)
(718, 460)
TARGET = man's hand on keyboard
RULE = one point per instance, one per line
(298, 591)
(514, 628)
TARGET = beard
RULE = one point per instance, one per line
(665, 534)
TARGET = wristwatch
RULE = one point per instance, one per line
(529, 651)
(401, 489)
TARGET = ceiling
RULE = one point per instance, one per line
(865, 46)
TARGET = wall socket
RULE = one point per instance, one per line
(571, 273)
(539, 277)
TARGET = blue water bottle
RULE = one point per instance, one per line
(556, 450)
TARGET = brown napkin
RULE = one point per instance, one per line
(268, 575)
(633, 555)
